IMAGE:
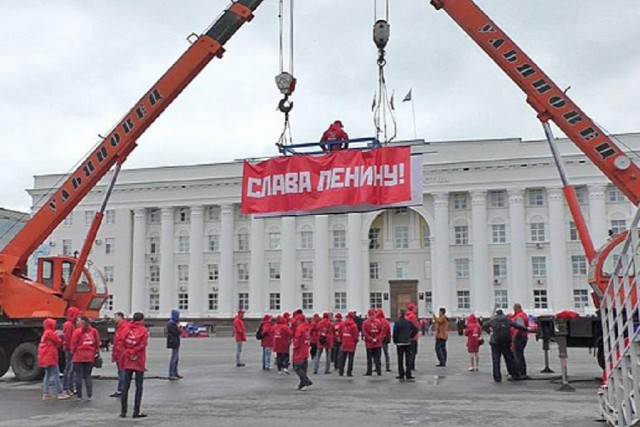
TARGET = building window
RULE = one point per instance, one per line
(88, 217)
(109, 245)
(154, 216)
(499, 233)
(618, 225)
(539, 266)
(243, 272)
(154, 302)
(402, 269)
(580, 298)
(274, 241)
(578, 265)
(428, 301)
(154, 274)
(274, 271)
(339, 270)
(402, 237)
(582, 195)
(401, 211)
(108, 273)
(213, 301)
(460, 202)
(154, 245)
(537, 232)
(540, 299)
(183, 301)
(340, 301)
(183, 244)
(501, 298)
(183, 273)
(274, 301)
(213, 271)
(426, 239)
(213, 213)
(307, 300)
(497, 199)
(535, 197)
(464, 300)
(243, 242)
(68, 220)
(614, 195)
(66, 247)
(339, 239)
(461, 234)
(499, 267)
(111, 216)
(375, 300)
(374, 238)
(573, 232)
(108, 306)
(462, 268)
(183, 215)
(214, 242)
(306, 240)
(374, 270)
(306, 270)
(243, 301)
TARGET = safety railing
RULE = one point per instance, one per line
(311, 148)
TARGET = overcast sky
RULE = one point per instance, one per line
(71, 69)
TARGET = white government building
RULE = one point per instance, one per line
(493, 229)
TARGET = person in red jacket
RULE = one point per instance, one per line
(266, 342)
(301, 354)
(412, 317)
(240, 332)
(50, 344)
(335, 355)
(313, 331)
(134, 362)
(85, 345)
(116, 351)
(282, 335)
(334, 132)
(520, 339)
(348, 332)
(473, 332)
(373, 332)
(325, 343)
(386, 337)
(68, 380)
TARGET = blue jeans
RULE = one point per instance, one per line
(316, 360)
(68, 379)
(51, 374)
(266, 357)
(121, 379)
(238, 351)
(173, 362)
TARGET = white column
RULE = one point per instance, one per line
(598, 214)
(227, 288)
(138, 272)
(321, 264)
(559, 285)
(481, 289)
(366, 281)
(196, 261)
(290, 292)
(442, 288)
(167, 273)
(354, 263)
(519, 284)
(257, 289)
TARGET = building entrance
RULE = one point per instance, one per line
(403, 293)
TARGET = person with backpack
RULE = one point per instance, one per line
(473, 332)
(500, 328)
(134, 362)
(348, 333)
(116, 351)
(325, 343)
(85, 346)
(240, 333)
(174, 335)
(266, 341)
(282, 335)
(48, 350)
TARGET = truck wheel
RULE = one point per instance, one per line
(4, 361)
(24, 362)
(600, 354)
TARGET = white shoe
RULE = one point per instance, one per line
(471, 369)
(304, 388)
(286, 371)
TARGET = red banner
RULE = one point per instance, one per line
(350, 178)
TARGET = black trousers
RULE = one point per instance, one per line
(313, 348)
(404, 356)
(411, 360)
(441, 351)
(335, 355)
(344, 355)
(504, 351)
(282, 361)
(385, 351)
(139, 378)
(301, 371)
(373, 357)
(520, 344)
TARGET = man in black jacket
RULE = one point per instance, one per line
(173, 342)
(403, 332)
(500, 328)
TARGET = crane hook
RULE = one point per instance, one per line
(285, 105)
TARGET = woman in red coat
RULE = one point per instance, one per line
(281, 344)
(373, 334)
(85, 345)
(325, 343)
(473, 332)
(313, 333)
(348, 332)
(134, 362)
(301, 353)
(266, 341)
(50, 344)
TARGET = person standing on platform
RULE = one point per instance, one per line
(412, 316)
(325, 343)
(266, 341)
(282, 336)
(442, 335)
(134, 362)
(240, 333)
(337, 342)
(174, 335)
(335, 132)
(373, 334)
(473, 332)
(520, 339)
(116, 351)
(301, 353)
(348, 332)
(403, 332)
(386, 337)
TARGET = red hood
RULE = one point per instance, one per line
(325, 315)
(280, 320)
(49, 324)
(472, 319)
(380, 314)
(72, 314)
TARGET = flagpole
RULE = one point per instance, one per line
(413, 110)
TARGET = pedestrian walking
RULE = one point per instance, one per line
(134, 362)
(313, 332)
(174, 336)
(116, 351)
(386, 337)
(423, 326)
(373, 334)
(473, 332)
(240, 332)
(48, 350)
(500, 328)
(68, 378)
(266, 341)
(412, 316)
(282, 336)
(403, 332)
(301, 343)
(337, 341)
(348, 332)
(520, 339)
(441, 322)
(325, 343)
(85, 346)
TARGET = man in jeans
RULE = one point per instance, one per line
(68, 380)
(240, 332)
(116, 351)
(442, 334)
(403, 332)
(173, 343)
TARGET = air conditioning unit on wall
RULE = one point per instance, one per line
(304, 286)
(540, 281)
(214, 288)
(183, 288)
(539, 245)
(154, 289)
(153, 259)
(497, 281)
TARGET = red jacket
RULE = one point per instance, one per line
(49, 346)
(281, 336)
(301, 343)
(313, 329)
(325, 333)
(134, 348)
(473, 332)
(335, 133)
(348, 336)
(267, 337)
(522, 319)
(336, 331)
(118, 341)
(85, 344)
(68, 327)
(239, 329)
(386, 326)
(373, 333)
(411, 317)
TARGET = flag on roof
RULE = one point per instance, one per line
(407, 96)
